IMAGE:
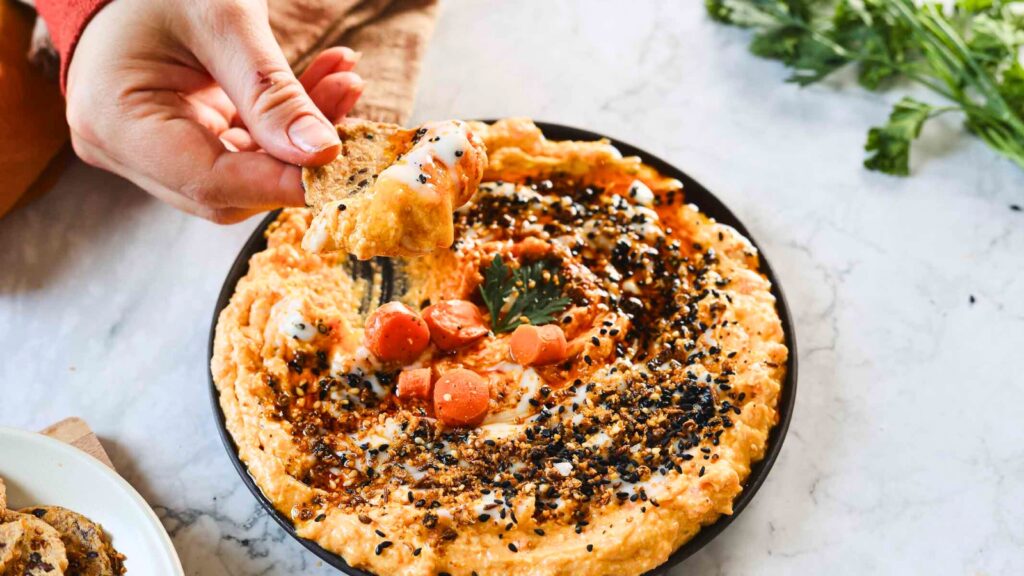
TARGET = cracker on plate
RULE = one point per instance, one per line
(89, 550)
(10, 534)
(38, 550)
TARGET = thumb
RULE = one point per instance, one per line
(243, 56)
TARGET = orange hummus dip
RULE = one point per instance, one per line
(601, 460)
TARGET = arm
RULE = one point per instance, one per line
(66, 19)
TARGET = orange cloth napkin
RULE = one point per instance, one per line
(391, 34)
(32, 127)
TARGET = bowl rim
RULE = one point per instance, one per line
(695, 193)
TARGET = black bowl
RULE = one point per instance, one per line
(696, 194)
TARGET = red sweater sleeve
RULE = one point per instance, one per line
(66, 19)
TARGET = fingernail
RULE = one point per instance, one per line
(310, 134)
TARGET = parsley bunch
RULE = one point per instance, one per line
(532, 291)
(969, 55)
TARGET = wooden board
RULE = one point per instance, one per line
(76, 432)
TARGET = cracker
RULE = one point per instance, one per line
(10, 534)
(38, 551)
(89, 550)
(367, 148)
(424, 175)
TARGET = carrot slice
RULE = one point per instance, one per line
(414, 383)
(461, 398)
(396, 333)
(538, 345)
(454, 323)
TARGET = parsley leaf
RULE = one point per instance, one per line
(1012, 87)
(969, 55)
(891, 143)
(532, 291)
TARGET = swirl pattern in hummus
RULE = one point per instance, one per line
(601, 465)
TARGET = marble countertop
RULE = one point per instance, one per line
(904, 454)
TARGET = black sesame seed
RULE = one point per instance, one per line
(342, 207)
(590, 547)
(382, 547)
(512, 547)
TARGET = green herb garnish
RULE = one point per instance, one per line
(532, 291)
(969, 55)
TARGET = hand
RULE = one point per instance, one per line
(195, 103)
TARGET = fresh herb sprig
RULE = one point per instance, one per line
(532, 291)
(969, 55)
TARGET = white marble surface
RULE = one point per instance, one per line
(905, 452)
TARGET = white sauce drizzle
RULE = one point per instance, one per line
(443, 142)
(598, 440)
(416, 474)
(529, 383)
(641, 193)
(294, 325)
(563, 468)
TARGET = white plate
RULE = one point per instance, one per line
(39, 470)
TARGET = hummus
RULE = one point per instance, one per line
(601, 464)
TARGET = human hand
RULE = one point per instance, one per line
(195, 103)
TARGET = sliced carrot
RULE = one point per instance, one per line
(454, 323)
(414, 383)
(396, 333)
(461, 398)
(538, 345)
